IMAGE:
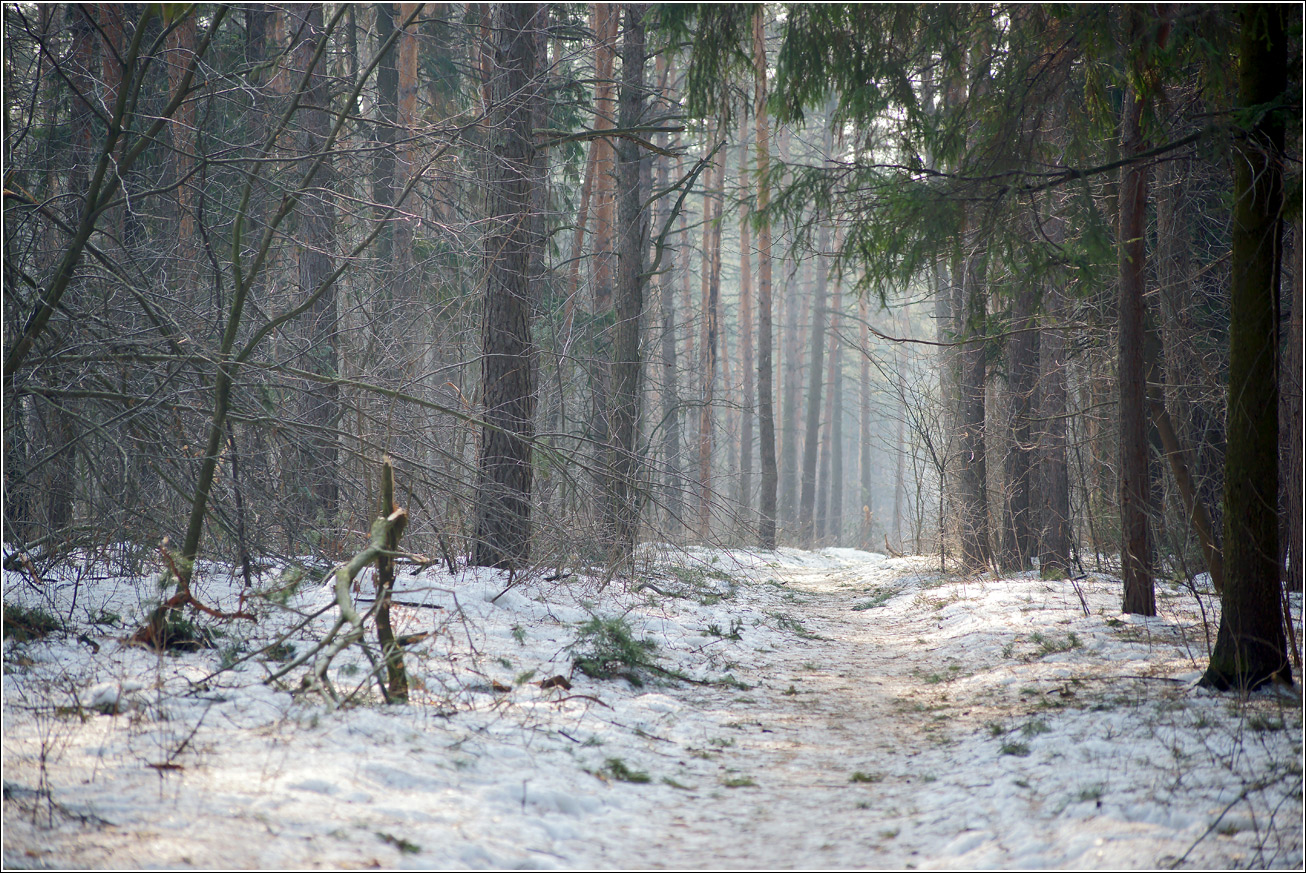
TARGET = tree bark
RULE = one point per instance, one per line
(1135, 483)
(864, 445)
(665, 280)
(835, 527)
(317, 471)
(812, 439)
(508, 366)
(1250, 648)
(745, 497)
(765, 394)
(711, 286)
(1022, 370)
(1054, 473)
(972, 478)
(632, 243)
(790, 407)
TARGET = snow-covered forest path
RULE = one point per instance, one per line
(844, 710)
(892, 737)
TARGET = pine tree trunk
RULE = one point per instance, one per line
(1250, 648)
(665, 280)
(765, 368)
(745, 497)
(834, 528)
(1054, 474)
(1135, 482)
(972, 478)
(632, 237)
(864, 429)
(790, 406)
(812, 439)
(1291, 421)
(1022, 370)
(317, 475)
(708, 349)
(508, 367)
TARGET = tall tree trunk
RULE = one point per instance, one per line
(1291, 420)
(972, 478)
(900, 450)
(181, 49)
(825, 498)
(1022, 371)
(383, 165)
(765, 394)
(503, 491)
(864, 430)
(835, 525)
(708, 351)
(317, 471)
(1054, 473)
(790, 405)
(745, 498)
(670, 389)
(605, 113)
(812, 439)
(632, 236)
(407, 70)
(1250, 648)
(1135, 483)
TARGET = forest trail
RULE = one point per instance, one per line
(894, 738)
(845, 710)
(841, 702)
(852, 723)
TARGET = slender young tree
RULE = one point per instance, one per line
(745, 497)
(765, 367)
(665, 279)
(864, 429)
(812, 439)
(711, 286)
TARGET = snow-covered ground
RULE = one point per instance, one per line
(831, 709)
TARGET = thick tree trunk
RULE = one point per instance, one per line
(503, 491)
(1250, 648)
(1291, 420)
(765, 394)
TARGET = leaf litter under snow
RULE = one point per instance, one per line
(807, 709)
